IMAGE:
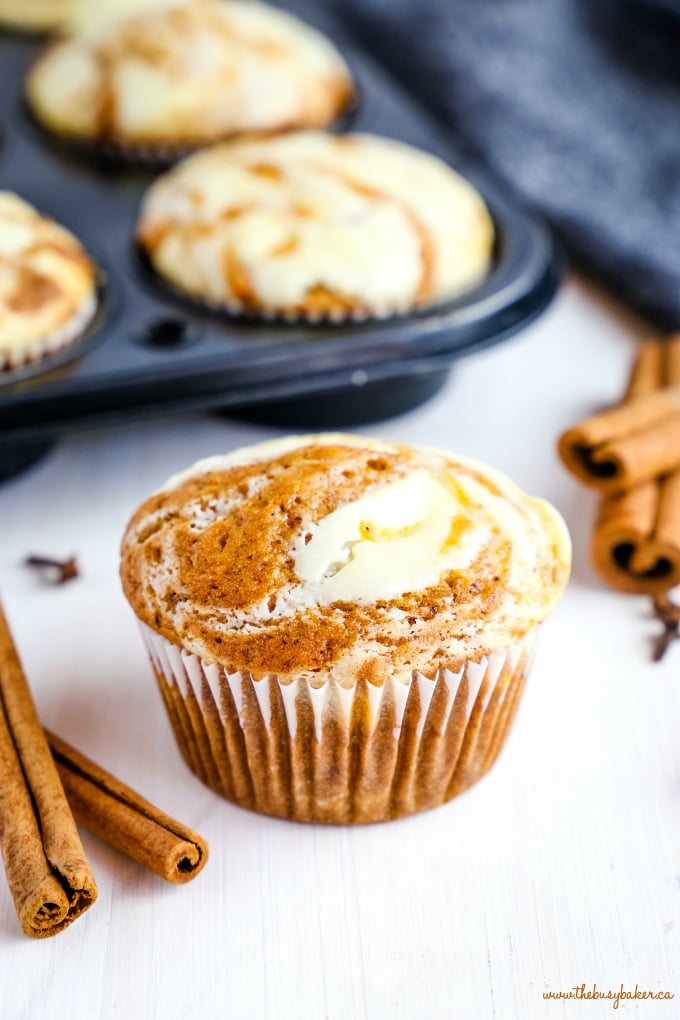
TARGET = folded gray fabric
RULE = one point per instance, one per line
(575, 104)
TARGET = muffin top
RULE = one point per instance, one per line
(335, 555)
(66, 15)
(181, 74)
(47, 282)
(85, 16)
(317, 225)
(34, 15)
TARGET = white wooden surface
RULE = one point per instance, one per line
(561, 867)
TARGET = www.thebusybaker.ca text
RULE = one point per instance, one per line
(622, 995)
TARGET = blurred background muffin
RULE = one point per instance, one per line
(69, 16)
(34, 15)
(183, 74)
(48, 286)
(314, 225)
(341, 628)
(86, 16)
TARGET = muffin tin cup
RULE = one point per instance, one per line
(333, 754)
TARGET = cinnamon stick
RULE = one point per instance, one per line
(635, 442)
(125, 820)
(48, 874)
(636, 542)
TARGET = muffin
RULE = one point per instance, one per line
(341, 628)
(184, 74)
(34, 15)
(67, 15)
(48, 285)
(313, 225)
(84, 16)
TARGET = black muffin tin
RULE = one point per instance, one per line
(150, 352)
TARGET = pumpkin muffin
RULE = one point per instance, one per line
(341, 628)
(184, 74)
(314, 225)
(48, 285)
(34, 15)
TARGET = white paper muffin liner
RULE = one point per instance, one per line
(336, 754)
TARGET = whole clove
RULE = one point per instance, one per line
(54, 571)
(668, 613)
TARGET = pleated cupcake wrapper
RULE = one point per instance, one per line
(291, 318)
(333, 754)
(234, 310)
(145, 156)
(157, 158)
(139, 156)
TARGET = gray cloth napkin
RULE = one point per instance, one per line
(575, 104)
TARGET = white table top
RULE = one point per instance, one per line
(561, 867)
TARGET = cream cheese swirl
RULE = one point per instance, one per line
(322, 553)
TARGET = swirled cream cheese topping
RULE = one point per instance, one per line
(316, 225)
(397, 538)
(185, 73)
(47, 284)
(337, 555)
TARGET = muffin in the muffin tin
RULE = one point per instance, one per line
(48, 285)
(341, 628)
(34, 15)
(186, 73)
(86, 16)
(314, 225)
(69, 16)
